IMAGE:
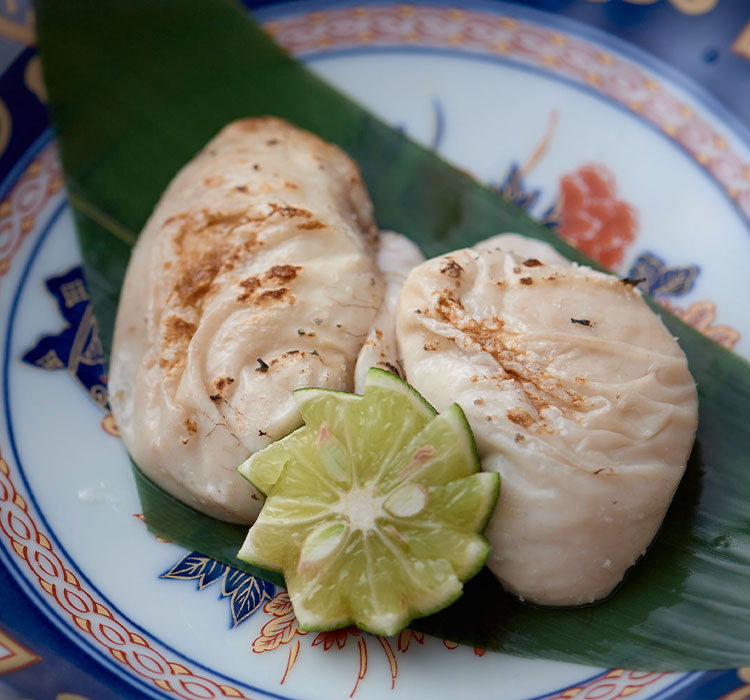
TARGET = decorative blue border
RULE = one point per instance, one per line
(12, 567)
(314, 57)
(22, 164)
(269, 11)
(42, 603)
(275, 11)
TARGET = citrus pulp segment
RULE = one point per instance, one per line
(267, 469)
(374, 508)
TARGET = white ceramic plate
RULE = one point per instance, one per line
(587, 132)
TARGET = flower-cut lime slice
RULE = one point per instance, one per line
(374, 508)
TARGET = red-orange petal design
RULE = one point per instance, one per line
(701, 315)
(405, 637)
(337, 637)
(592, 218)
(281, 629)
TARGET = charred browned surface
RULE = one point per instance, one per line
(268, 296)
(541, 389)
(520, 417)
(176, 335)
(282, 273)
(451, 268)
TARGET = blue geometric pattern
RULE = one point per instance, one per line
(76, 347)
(246, 593)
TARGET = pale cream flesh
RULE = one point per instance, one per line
(255, 275)
(397, 255)
(577, 395)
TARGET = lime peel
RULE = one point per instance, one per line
(374, 507)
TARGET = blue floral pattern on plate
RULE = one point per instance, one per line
(246, 593)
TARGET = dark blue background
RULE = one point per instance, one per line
(63, 668)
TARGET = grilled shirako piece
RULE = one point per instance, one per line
(578, 397)
(255, 275)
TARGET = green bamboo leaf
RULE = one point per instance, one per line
(169, 518)
(137, 87)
